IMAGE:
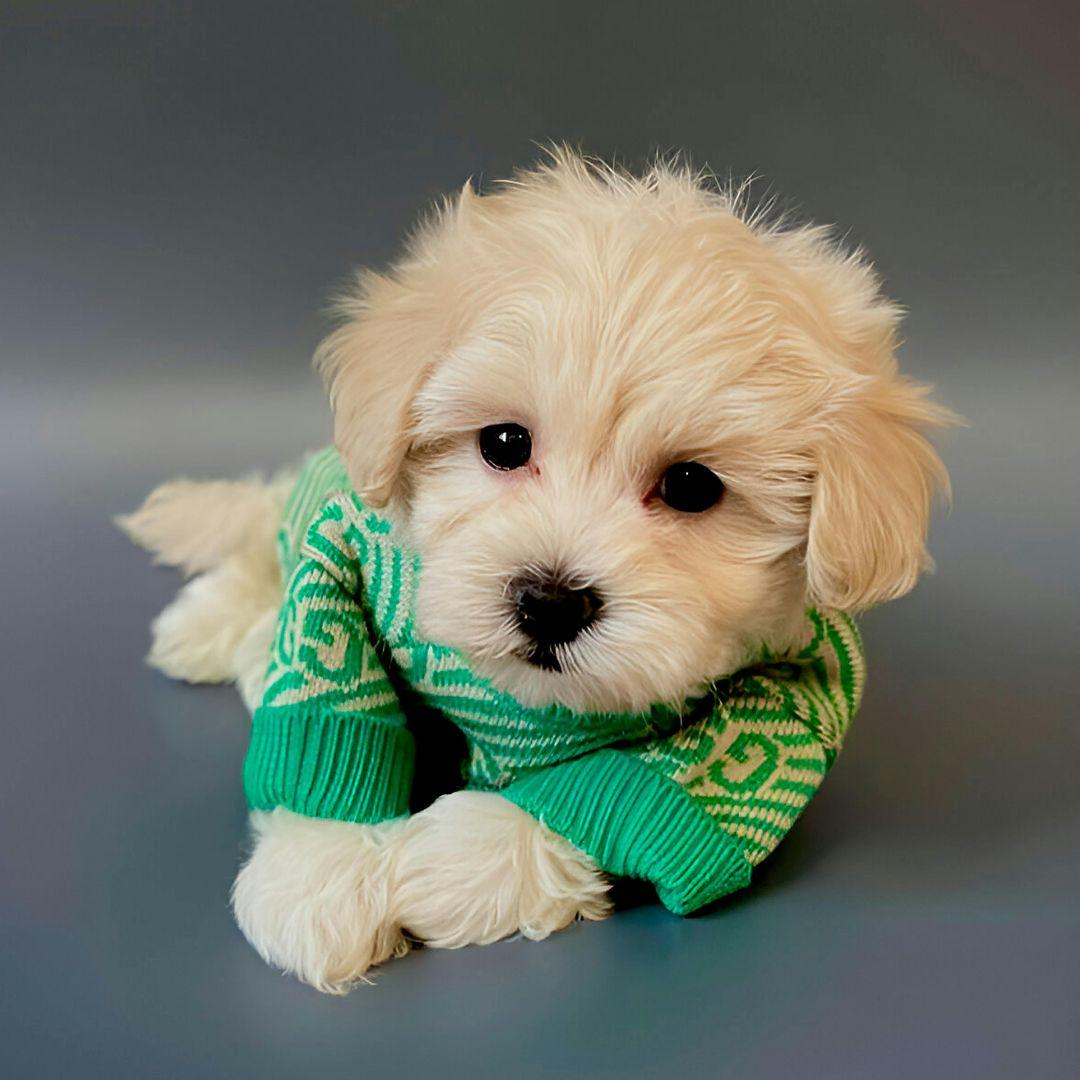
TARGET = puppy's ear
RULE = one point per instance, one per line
(877, 476)
(395, 328)
(373, 365)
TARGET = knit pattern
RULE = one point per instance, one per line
(755, 762)
(715, 784)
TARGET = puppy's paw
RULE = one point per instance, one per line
(313, 899)
(200, 635)
(474, 868)
(185, 643)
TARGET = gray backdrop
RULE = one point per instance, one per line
(183, 185)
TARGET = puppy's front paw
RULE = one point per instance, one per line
(474, 868)
(314, 897)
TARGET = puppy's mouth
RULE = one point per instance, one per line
(541, 656)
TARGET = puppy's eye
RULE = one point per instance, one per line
(505, 446)
(690, 487)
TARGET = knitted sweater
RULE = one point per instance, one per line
(689, 799)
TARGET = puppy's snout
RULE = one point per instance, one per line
(550, 610)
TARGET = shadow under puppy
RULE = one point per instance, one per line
(613, 466)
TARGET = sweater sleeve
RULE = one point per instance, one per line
(694, 811)
(328, 738)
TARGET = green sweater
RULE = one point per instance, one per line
(688, 799)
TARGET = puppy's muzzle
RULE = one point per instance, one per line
(551, 611)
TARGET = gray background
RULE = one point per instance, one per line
(183, 185)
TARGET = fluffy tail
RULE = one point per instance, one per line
(197, 526)
(222, 534)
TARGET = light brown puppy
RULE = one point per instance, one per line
(626, 323)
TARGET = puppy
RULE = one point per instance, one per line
(614, 463)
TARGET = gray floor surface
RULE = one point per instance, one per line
(182, 188)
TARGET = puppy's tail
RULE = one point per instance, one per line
(196, 526)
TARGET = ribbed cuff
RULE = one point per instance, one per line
(635, 822)
(326, 764)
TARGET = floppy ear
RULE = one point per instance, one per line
(395, 328)
(373, 365)
(877, 476)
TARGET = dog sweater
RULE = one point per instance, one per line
(689, 799)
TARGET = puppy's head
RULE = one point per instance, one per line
(631, 433)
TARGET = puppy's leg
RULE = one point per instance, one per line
(474, 868)
(314, 898)
(198, 637)
(253, 656)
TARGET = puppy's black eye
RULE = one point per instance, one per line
(505, 446)
(690, 487)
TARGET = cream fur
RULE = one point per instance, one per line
(198, 636)
(197, 525)
(474, 868)
(315, 898)
(327, 900)
(628, 323)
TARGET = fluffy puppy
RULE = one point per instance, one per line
(625, 323)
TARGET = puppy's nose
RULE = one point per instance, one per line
(551, 611)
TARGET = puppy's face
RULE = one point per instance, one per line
(631, 435)
(601, 524)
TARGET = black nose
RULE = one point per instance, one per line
(552, 611)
